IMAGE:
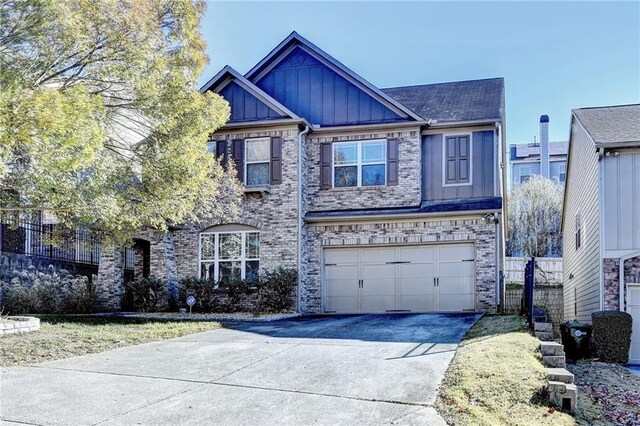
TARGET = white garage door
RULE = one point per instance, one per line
(633, 307)
(420, 278)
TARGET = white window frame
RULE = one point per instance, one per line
(243, 259)
(359, 163)
(444, 158)
(577, 233)
(247, 162)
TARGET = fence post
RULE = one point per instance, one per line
(529, 279)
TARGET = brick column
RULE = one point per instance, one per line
(110, 278)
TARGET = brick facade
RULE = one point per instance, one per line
(611, 272)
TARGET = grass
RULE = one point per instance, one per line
(496, 377)
(65, 336)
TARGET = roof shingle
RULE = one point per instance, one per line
(613, 126)
(455, 101)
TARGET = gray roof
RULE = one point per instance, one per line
(613, 126)
(533, 150)
(455, 101)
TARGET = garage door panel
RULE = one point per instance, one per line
(417, 254)
(455, 252)
(455, 302)
(378, 255)
(340, 256)
(634, 310)
(378, 303)
(416, 287)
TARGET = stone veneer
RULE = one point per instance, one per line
(19, 324)
(415, 231)
(611, 272)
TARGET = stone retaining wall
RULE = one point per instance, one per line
(12, 325)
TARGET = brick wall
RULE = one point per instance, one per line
(611, 272)
(474, 230)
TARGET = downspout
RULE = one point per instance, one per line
(621, 280)
(299, 263)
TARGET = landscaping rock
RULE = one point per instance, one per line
(544, 336)
(551, 348)
(560, 375)
(563, 395)
(554, 361)
(545, 327)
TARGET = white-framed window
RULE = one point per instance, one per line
(578, 232)
(257, 153)
(361, 163)
(229, 255)
(457, 160)
(525, 174)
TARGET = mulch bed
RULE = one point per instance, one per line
(607, 394)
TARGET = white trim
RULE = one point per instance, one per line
(444, 159)
(247, 162)
(359, 163)
(243, 259)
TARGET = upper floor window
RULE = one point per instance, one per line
(578, 232)
(457, 159)
(359, 163)
(229, 255)
(257, 156)
(558, 171)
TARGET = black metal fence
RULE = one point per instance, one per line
(49, 241)
(529, 281)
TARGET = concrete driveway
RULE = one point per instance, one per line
(364, 369)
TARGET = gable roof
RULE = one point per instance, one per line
(294, 39)
(227, 73)
(469, 100)
(612, 126)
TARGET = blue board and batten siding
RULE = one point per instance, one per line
(245, 106)
(482, 169)
(312, 90)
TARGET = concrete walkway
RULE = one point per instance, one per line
(365, 369)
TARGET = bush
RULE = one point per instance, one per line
(275, 291)
(237, 292)
(205, 291)
(146, 295)
(612, 335)
(32, 291)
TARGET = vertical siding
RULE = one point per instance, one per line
(314, 91)
(582, 196)
(483, 168)
(622, 201)
(245, 106)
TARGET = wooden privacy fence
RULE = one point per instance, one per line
(548, 270)
(549, 296)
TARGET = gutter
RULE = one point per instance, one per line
(436, 125)
(377, 217)
(621, 280)
(263, 123)
(300, 218)
(365, 127)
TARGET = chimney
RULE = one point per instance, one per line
(544, 145)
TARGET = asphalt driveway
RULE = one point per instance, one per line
(364, 369)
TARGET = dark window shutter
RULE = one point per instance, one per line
(237, 152)
(325, 165)
(392, 162)
(276, 161)
(221, 152)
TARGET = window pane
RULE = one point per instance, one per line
(345, 153)
(253, 246)
(258, 149)
(374, 152)
(345, 176)
(251, 274)
(211, 147)
(207, 270)
(373, 175)
(230, 246)
(229, 271)
(207, 246)
(258, 174)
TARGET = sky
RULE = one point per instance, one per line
(554, 56)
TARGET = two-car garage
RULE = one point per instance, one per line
(415, 278)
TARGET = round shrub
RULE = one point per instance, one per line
(612, 335)
(276, 290)
(205, 291)
(146, 295)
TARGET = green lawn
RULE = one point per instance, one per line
(65, 336)
(496, 377)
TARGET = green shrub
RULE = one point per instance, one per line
(31, 291)
(275, 290)
(205, 292)
(237, 292)
(612, 335)
(146, 295)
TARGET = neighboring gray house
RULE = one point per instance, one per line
(385, 200)
(544, 158)
(601, 220)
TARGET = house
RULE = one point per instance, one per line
(385, 200)
(601, 219)
(545, 158)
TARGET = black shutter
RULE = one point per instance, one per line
(325, 165)
(221, 152)
(276, 160)
(392, 162)
(237, 152)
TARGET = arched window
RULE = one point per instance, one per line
(229, 252)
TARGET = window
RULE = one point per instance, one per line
(257, 155)
(211, 147)
(558, 171)
(525, 174)
(359, 163)
(578, 232)
(229, 255)
(457, 160)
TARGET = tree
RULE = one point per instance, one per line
(535, 216)
(101, 121)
